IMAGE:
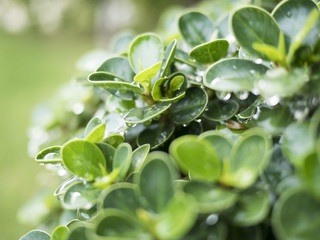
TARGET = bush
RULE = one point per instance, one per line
(211, 135)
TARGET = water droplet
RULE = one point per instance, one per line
(252, 72)
(257, 114)
(41, 164)
(207, 109)
(242, 95)
(301, 114)
(255, 91)
(184, 125)
(212, 219)
(234, 67)
(289, 14)
(258, 61)
(198, 120)
(78, 108)
(198, 78)
(272, 101)
(223, 95)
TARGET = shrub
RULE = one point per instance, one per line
(211, 135)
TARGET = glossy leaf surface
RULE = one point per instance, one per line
(233, 75)
(190, 107)
(83, 159)
(50, 155)
(138, 157)
(196, 28)
(197, 157)
(221, 110)
(211, 52)
(60, 233)
(122, 159)
(36, 235)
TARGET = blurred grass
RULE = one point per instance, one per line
(32, 68)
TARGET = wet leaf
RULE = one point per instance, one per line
(221, 110)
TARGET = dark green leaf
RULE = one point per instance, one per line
(221, 110)
(211, 52)
(196, 28)
(140, 115)
(156, 134)
(254, 25)
(168, 58)
(190, 107)
(108, 152)
(119, 67)
(233, 75)
(84, 159)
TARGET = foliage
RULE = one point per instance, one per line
(212, 135)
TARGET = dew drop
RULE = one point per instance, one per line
(289, 14)
(223, 95)
(78, 108)
(198, 78)
(242, 95)
(198, 120)
(258, 61)
(184, 125)
(301, 114)
(212, 219)
(252, 72)
(234, 67)
(272, 101)
(257, 114)
(255, 91)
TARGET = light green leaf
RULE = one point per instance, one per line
(211, 52)
(177, 218)
(144, 77)
(252, 207)
(36, 235)
(254, 25)
(114, 139)
(196, 28)
(197, 157)
(233, 75)
(84, 159)
(95, 130)
(292, 205)
(211, 198)
(190, 107)
(50, 155)
(60, 233)
(145, 51)
(122, 159)
(140, 115)
(168, 58)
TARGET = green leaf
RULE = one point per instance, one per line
(219, 142)
(233, 75)
(80, 195)
(211, 52)
(118, 225)
(140, 115)
(108, 152)
(249, 156)
(292, 205)
(114, 140)
(297, 143)
(36, 235)
(84, 159)
(250, 111)
(145, 51)
(122, 159)
(60, 233)
(197, 157)
(190, 107)
(211, 198)
(282, 83)
(111, 82)
(254, 25)
(122, 196)
(156, 189)
(177, 218)
(95, 130)
(219, 110)
(50, 155)
(79, 232)
(119, 67)
(120, 42)
(138, 156)
(311, 173)
(196, 28)
(144, 77)
(252, 207)
(168, 58)
(292, 17)
(156, 134)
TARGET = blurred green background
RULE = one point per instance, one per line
(40, 42)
